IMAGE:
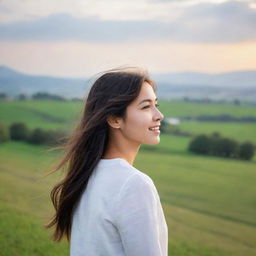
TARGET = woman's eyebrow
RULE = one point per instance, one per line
(146, 100)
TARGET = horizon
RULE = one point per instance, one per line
(151, 73)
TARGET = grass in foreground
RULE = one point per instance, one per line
(208, 202)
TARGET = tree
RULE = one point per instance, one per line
(246, 151)
(216, 145)
(201, 144)
(223, 147)
(19, 131)
(47, 96)
(3, 96)
(21, 97)
(227, 147)
(38, 136)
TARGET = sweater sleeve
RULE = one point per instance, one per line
(136, 217)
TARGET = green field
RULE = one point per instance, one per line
(209, 202)
(238, 131)
(64, 115)
(45, 114)
(182, 109)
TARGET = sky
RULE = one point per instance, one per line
(81, 38)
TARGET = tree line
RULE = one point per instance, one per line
(220, 118)
(216, 145)
(20, 132)
(36, 96)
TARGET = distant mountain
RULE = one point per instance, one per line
(238, 79)
(230, 85)
(14, 83)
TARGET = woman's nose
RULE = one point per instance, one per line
(159, 115)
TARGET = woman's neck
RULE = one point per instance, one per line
(117, 149)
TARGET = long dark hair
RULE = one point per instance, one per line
(110, 94)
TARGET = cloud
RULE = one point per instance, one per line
(223, 23)
(103, 9)
(227, 22)
(66, 27)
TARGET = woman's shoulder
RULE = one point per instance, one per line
(136, 183)
(119, 169)
(133, 176)
(138, 179)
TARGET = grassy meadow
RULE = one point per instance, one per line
(209, 202)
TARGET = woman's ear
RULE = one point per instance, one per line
(114, 121)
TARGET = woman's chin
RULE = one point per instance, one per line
(153, 142)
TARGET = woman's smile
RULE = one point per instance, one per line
(155, 129)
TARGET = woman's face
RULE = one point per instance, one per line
(142, 114)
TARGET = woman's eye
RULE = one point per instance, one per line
(157, 105)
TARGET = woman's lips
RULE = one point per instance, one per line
(156, 131)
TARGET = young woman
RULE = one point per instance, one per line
(104, 205)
